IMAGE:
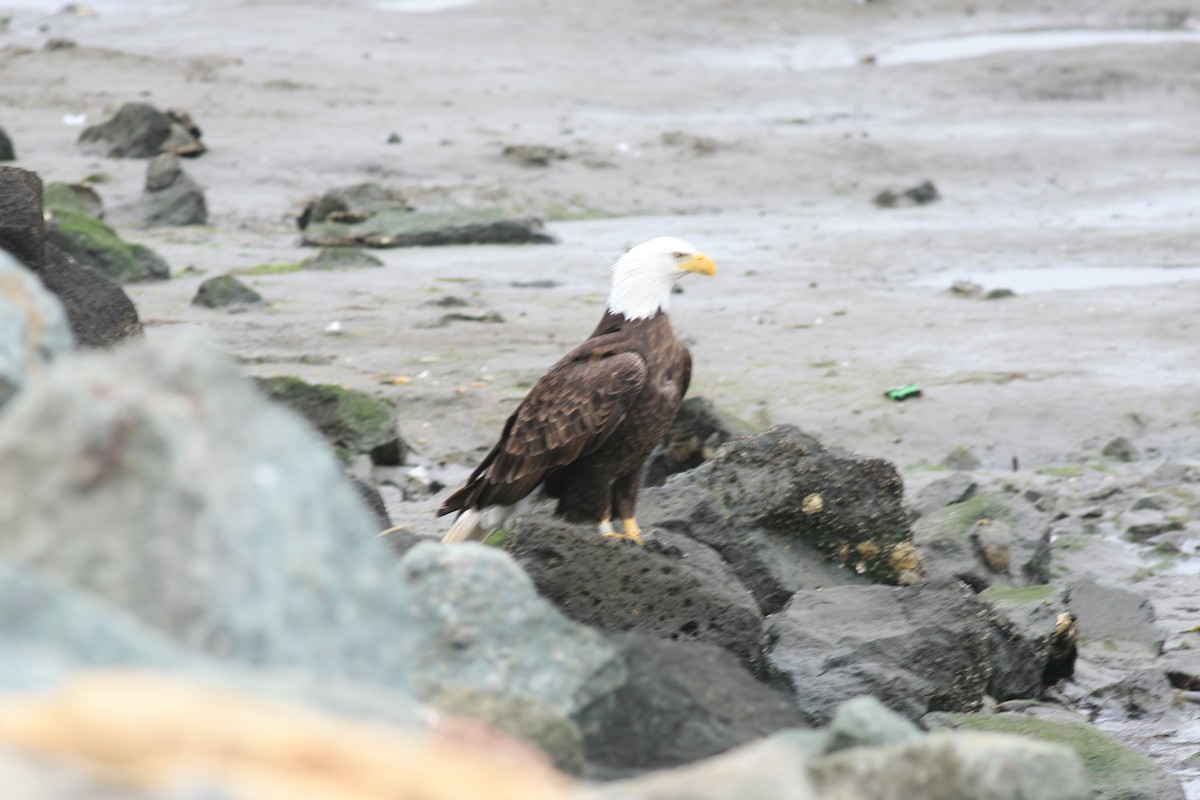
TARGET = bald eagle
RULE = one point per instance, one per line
(583, 433)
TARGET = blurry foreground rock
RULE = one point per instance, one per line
(373, 216)
(99, 311)
(139, 130)
(171, 197)
(352, 421)
(33, 327)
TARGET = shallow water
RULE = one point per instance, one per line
(983, 44)
(1026, 281)
(422, 6)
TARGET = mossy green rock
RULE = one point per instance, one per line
(353, 421)
(1115, 771)
(341, 258)
(225, 290)
(986, 540)
(89, 241)
(398, 227)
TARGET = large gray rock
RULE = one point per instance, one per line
(171, 197)
(786, 483)
(964, 766)
(158, 479)
(672, 588)
(684, 701)
(772, 565)
(985, 540)
(139, 130)
(99, 311)
(1113, 617)
(916, 649)
(33, 327)
(399, 227)
(1114, 770)
(487, 645)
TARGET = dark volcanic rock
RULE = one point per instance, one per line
(916, 649)
(673, 588)
(223, 291)
(402, 228)
(352, 421)
(139, 130)
(943, 492)
(696, 432)
(773, 566)
(986, 540)
(7, 151)
(683, 701)
(171, 197)
(100, 312)
(847, 507)
(1026, 639)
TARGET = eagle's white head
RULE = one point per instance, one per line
(643, 277)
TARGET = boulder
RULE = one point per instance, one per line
(482, 631)
(171, 197)
(352, 421)
(988, 539)
(352, 204)
(697, 431)
(916, 649)
(947, 491)
(74, 231)
(33, 327)
(985, 766)
(1114, 771)
(398, 227)
(1032, 632)
(682, 702)
(772, 566)
(226, 291)
(800, 493)
(337, 258)
(673, 588)
(139, 130)
(7, 151)
(99, 311)
(258, 553)
(77, 197)
(1114, 618)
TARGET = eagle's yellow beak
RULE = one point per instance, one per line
(700, 263)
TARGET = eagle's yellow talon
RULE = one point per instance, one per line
(632, 531)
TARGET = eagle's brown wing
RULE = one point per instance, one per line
(568, 414)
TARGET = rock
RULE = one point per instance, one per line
(964, 288)
(352, 204)
(481, 629)
(1114, 771)
(695, 434)
(374, 501)
(1182, 668)
(1146, 524)
(698, 145)
(919, 195)
(259, 553)
(99, 311)
(401, 228)
(866, 722)
(178, 738)
(341, 258)
(771, 769)
(772, 565)
(673, 588)
(943, 492)
(1028, 651)
(139, 130)
(953, 767)
(33, 327)
(92, 243)
(534, 155)
(915, 649)
(682, 702)
(78, 197)
(7, 151)
(1120, 449)
(224, 291)
(30, 778)
(787, 483)
(988, 539)
(1141, 694)
(961, 458)
(1110, 616)
(352, 421)
(171, 197)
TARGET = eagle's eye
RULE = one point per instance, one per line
(679, 256)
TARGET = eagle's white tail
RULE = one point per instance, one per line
(469, 527)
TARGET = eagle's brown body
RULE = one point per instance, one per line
(586, 429)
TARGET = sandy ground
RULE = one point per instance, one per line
(1064, 145)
